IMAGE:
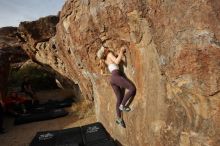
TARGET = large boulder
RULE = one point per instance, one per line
(40, 45)
(9, 37)
(11, 45)
(40, 30)
(173, 59)
(35, 32)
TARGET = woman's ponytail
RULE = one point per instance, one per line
(102, 66)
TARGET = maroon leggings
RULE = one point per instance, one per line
(119, 83)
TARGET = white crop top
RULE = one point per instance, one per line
(112, 67)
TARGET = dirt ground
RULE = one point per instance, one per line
(79, 114)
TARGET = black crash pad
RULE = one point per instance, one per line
(59, 104)
(52, 104)
(94, 132)
(88, 135)
(103, 143)
(52, 114)
(66, 137)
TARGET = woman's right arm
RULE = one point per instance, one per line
(119, 58)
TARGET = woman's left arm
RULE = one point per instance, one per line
(119, 57)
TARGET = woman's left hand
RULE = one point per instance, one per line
(123, 49)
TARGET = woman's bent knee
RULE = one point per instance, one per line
(132, 89)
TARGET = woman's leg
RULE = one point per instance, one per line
(119, 98)
(124, 83)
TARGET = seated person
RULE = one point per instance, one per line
(27, 89)
(16, 105)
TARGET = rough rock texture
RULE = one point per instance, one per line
(40, 45)
(173, 59)
(9, 37)
(40, 30)
(10, 44)
(35, 32)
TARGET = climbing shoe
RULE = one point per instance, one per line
(124, 108)
(121, 122)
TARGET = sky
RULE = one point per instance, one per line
(12, 12)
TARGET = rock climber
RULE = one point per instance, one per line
(117, 80)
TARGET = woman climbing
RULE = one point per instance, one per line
(117, 80)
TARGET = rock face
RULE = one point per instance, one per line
(37, 32)
(40, 45)
(173, 59)
(8, 37)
